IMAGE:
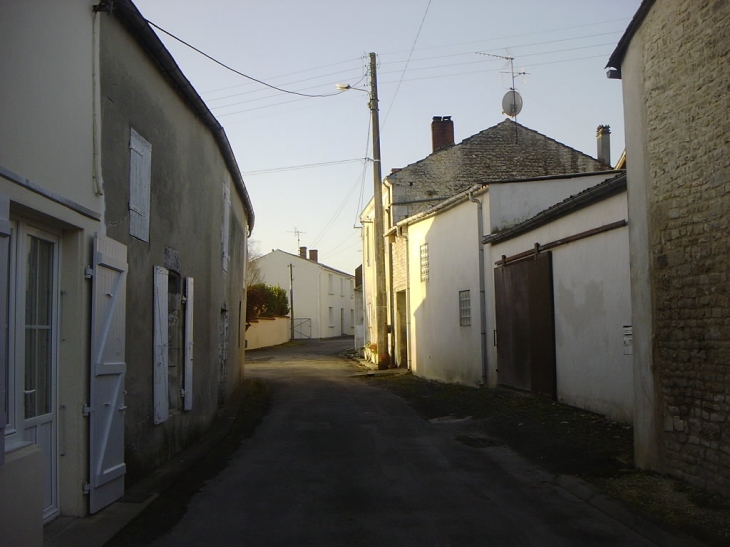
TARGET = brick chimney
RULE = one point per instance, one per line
(442, 132)
(313, 255)
(303, 252)
(603, 137)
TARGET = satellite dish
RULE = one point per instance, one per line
(511, 103)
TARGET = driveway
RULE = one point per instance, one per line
(338, 462)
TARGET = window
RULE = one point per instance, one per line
(464, 308)
(424, 262)
(173, 343)
(140, 172)
(226, 227)
(342, 286)
(332, 317)
(330, 284)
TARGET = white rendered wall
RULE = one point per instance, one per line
(515, 202)
(592, 304)
(440, 349)
(47, 93)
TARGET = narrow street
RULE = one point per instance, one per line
(337, 462)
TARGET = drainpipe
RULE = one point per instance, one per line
(96, 108)
(408, 299)
(482, 289)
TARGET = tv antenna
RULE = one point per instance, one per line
(297, 233)
(512, 101)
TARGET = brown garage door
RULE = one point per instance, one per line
(526, 324)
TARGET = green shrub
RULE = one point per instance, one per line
(264, 300)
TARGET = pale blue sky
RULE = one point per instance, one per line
(309, 45)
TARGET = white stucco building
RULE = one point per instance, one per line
(321, 298)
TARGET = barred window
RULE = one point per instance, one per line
(424, 262)
(464, 309)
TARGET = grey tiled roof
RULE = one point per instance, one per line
(505, 151)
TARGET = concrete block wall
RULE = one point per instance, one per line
(686, 80)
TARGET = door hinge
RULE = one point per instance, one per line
(86, 410)
(88, 272)
(87, 489)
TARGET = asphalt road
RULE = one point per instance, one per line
(337, 462)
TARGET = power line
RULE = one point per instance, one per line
(283, 75)
(237, 71)
(297, 167)
(512, 36)
(405, 68)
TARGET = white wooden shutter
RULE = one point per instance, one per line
(225, 228)
(107, 374)
(188, 378)
(4, 332)
(140, 173)
(161, 358)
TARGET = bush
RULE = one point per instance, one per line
(264, 300)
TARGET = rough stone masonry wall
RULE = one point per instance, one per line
(400, 275)
(686, 60)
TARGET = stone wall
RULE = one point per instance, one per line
(400, 279)
(686, 49)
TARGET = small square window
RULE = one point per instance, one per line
(424, 262)
(464, 308)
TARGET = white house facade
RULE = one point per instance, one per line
(321, 298)
(51, 206)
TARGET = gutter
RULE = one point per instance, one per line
(617, 57)
(126, 12)
(594, 194)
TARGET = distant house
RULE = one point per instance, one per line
(110, 360)
(507, 151)
(672, 61)
(321, 298)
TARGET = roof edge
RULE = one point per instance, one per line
(139, 27)
(594, 194)
(618, 54)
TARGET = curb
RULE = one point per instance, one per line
(617, 510)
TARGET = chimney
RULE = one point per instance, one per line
(303, 252)
(313, 255)
(603, 137)
(442, 132)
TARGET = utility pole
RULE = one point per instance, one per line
(381, 311)
(291, 299)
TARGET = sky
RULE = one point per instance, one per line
(305, 160)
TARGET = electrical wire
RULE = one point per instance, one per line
(298, 167)
(405, 68)
(216, 61)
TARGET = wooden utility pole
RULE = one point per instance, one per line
(291, 300)
(381, 311)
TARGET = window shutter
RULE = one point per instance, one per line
(161, 358)
(4, 273)
(225, 229)
(140, 172)
(188, 377)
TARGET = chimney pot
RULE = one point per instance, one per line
(603, 141)
(302, 252)
(442, 132)
(313, 255)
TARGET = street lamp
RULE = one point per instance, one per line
(381, 310)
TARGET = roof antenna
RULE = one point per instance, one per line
(297, 233)
(512, 101)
